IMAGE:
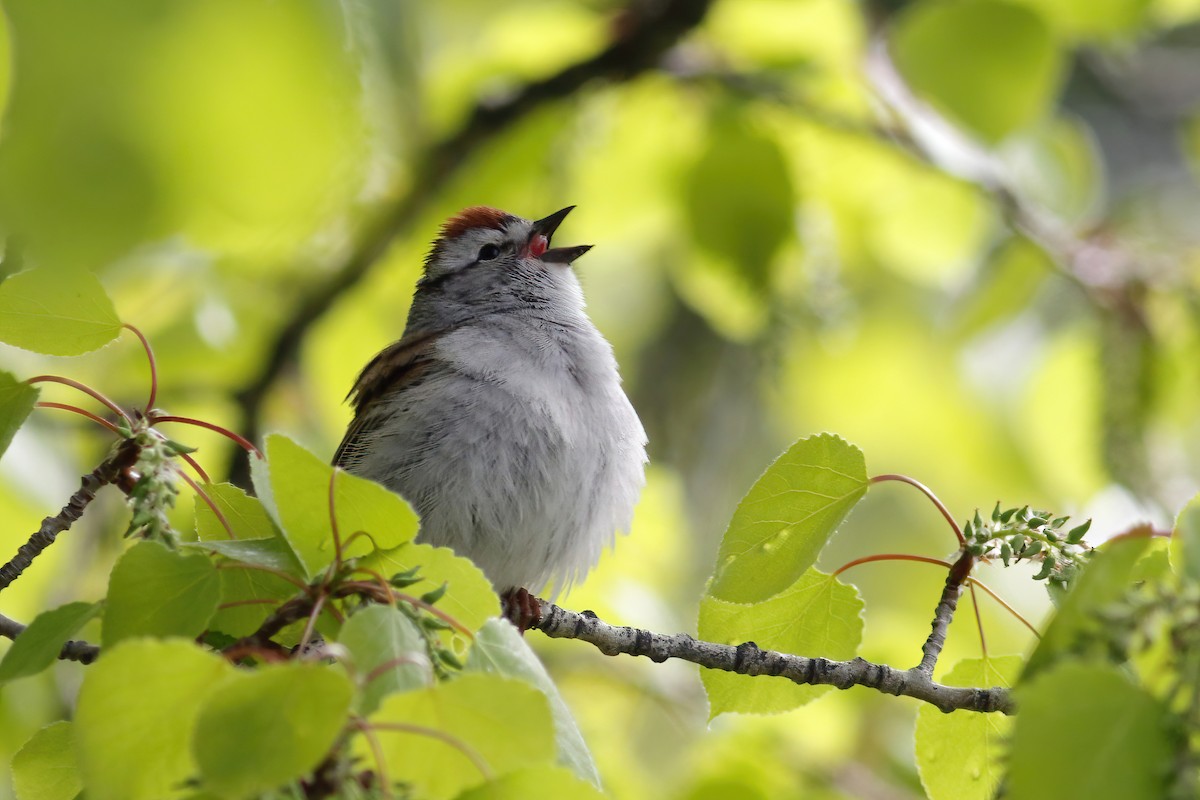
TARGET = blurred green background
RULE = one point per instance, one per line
(960, 234)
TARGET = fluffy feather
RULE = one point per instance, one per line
(500, 415)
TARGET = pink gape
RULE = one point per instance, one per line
(538, 245)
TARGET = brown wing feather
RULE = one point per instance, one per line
(394, 367)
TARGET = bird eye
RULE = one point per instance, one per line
(488, 252)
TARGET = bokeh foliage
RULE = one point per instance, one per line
(976, 259)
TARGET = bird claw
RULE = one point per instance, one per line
(521, 608)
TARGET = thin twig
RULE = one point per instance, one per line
(744, 659)
(124, 456)
(293, 610)
(955, 580)
(749, 659)
(82, 652)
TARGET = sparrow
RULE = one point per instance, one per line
(499, 414)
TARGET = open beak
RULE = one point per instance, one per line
(546, 227)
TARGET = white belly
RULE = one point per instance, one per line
(529, 471)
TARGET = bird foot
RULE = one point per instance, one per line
(521, 608)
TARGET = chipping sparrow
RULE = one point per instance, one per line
(499, 415)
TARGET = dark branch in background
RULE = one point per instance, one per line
(82, 652)
(955, 581)
(643, 33)
(749, 659)
(124, 456)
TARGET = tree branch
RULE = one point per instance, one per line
(749, 659)
(955, 580)
(82, 652)
(291, 611)
(744, 659)
(124, 456)
(645, 31)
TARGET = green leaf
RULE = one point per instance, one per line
(16, 401)
(137, 707)
(1103, 581)
(991, 66)
(388, 653)
(45, 767)
(273, 553)
(534, 783)
(259, 543)
(818, 616)
(38, 645)
(959, 755)
(241, 585)
(500, 650)
(1106, 739)
(502, 724)
(1185, 541)
(470, 598)
(786, 518)
(245, 515)
(270, 726)
(56, 313)
(298, 499)
(154, 591)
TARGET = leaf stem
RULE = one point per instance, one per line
(191, 462)
(355, 535)
(433, 733)
(257, 601)
(383, 583)
(312, 621)
(972, 580)
(333, 523)
(380, 763)
(928, 493)
(150, 360)
(890, 557)
(978, 619)
(976, 582)
(80, 411)
(383, 668)
(83, 387)
(292, 579)
(203, 495)
(359, 587)
(244, 443)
